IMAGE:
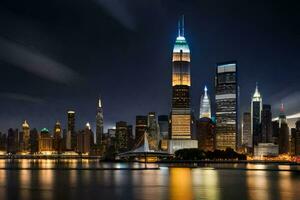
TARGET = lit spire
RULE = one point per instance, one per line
(281, 108)
(181, 26)
(256, 94)
(99, 103)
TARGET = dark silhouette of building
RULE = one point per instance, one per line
(153, 131)
(12, 141)
(205, 131)
(163, 123)
(71, 140)
(283, 137)
(226, 99)
(266, 124)
(34, 141)
(246, 130)
(3, 138)
(295, 140)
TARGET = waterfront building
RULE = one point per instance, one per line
(71, 134)
(99, 122)
(246, 130)
(205, 131)
(153, 131)
(12, 141)
(256, 108)
(205, 110)
(141, 124)
(57, 137)
(181, 120)
(163, 123)
(265, 150)
(295, 139)
(226, 99)
(34, 141)
(266, 124)
(25, 136)
(283, 137)
(45, 142)
(122, 136)
(111, 132)
(84, 140)
(3, 138)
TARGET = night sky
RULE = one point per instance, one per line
(62, 54)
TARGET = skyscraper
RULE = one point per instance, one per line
(181, 131)
(153, 131)
(122, 136)
(266, 124)
(25, 137)
(205, 110)
(246, 130)
(99, 122)
(283, 135)
(226, 99)
(205, 129)
(163, 123)
(141, 123)
(71, 139)
(256, 108)
(57, 137)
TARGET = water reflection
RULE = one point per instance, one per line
(180, 184)
(50, 182)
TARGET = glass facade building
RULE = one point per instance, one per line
(256, 108)
(205, 110)
(226, 99)
(99, 122)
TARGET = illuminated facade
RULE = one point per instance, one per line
(256, 108)
(25, 145)
(57, 139)
(246, 130)
(226, 99)
(45, 141)
(99, 122)
(141, 123)
(205, 110)
(181, 82)
(181, 120)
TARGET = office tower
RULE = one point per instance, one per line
(163, 123)
(141, 124)
(12, 141)
(122, 136)
(84, 140)
(99, 122)
(25, 147)
(71, 134)
(45, 141)
(3, 139)
(205, 131)
(153, 131)
(246, 130)
(283, 135)
(34, 141)
(57, 137)
(111, 132)
(181, 131)
(226, 99)
(256, 107)
(266, 124)
(205, 110)
(295, 140)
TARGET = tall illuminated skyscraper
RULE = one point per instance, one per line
(99, 122)
(25, 137)
(205, 110)
(181, 132)
(226, 100)
(256, 108)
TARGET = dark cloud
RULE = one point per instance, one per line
(22, 97)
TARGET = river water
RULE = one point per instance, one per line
(86, 179)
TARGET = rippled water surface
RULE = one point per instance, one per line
(50, 179)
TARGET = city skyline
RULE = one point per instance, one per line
(42, 106)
